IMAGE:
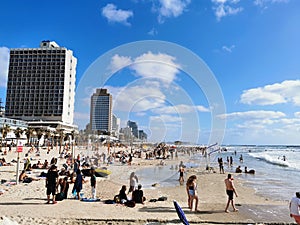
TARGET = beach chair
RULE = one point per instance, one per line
(180, 213)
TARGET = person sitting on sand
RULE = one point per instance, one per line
(25, 178)
(64, 187)
(45, 165)
(4, 163)
(138, 195)
(122, 197)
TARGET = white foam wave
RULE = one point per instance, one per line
(273, 159)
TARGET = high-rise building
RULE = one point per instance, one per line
(41, 85)
(142, 135)
(134, 128)
(116, 123)
(101, 111)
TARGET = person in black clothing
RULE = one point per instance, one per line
(78, 183)
(221, 167)
(51, 183)
(93, 182)
(122, 194)
(138, 195)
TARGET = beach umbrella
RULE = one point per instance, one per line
(180, 213)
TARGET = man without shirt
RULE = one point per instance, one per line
(230, 190)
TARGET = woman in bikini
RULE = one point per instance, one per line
(191, 188)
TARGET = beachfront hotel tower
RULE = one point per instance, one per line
(101, 111)
(41, 85)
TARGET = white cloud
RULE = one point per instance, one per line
(4, 62)
(119, 62)
(224, 8)
(149, 65)
(228, 49)
(297, 114)
(153, 32)
(250, 115)
(171, 8)
(263, 3)
(180, 109)
(284, 92)
(136, 98)
(114, 15)
(166, 118)
(160, 66)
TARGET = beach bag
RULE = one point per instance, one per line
(117, 199)
(163, 198)
(130, 204)
(59, 196)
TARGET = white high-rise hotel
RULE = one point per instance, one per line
(41, 85)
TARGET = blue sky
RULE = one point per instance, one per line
(250, 47)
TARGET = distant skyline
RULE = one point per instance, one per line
(251, 48)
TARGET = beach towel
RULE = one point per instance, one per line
(90, 199)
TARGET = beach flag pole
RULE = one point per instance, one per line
(19, 149)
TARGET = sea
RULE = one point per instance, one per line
(277, 169)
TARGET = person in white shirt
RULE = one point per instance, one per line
(294, 207)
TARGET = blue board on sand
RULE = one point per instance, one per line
(180, 214)
(90, 199)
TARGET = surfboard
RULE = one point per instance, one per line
(180, 213)
(99, 172)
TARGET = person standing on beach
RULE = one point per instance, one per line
(220, 161)
(181, 173)
(78, 183)
(51, 183)
(294, 207)
(230, 190)
(93, 182)
(191, 188)
(133, 179)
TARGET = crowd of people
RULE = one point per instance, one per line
(58, 182)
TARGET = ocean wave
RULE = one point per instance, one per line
(270, 159)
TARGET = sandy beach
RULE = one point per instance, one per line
(25, 203)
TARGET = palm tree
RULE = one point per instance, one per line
(61, 137)
(18, 132)
(29, 132)
(72, 146)
(54, 134)
(5, 130)
(47, 135)
(39, 134)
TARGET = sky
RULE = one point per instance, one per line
(200, 71)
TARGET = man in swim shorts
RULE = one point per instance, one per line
(230, 190)
(294, 207)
